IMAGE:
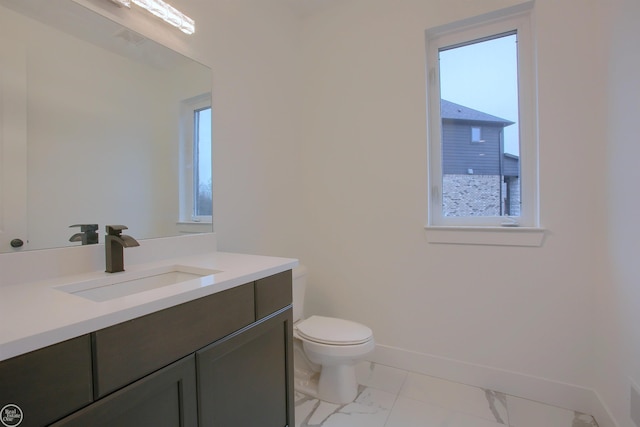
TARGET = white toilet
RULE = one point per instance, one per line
(328, 346)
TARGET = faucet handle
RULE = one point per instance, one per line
(86, 227)
(115, 230)
(87, 235)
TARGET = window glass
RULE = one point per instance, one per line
(202, 160)
(476, 134)
(479, 88)
(196, 201)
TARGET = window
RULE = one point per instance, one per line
(203, 203)
(481, 85)
(196, 203)
(476, 134)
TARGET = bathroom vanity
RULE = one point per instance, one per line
(222, 356)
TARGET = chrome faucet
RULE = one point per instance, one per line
(114, 245)
(88, 234)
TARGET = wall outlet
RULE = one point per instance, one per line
(634, 406)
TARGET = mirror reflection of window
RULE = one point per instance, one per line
(196, 201)
(203, 206)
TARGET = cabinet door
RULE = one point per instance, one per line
(246, 379)
(166, 398)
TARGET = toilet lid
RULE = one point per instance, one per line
(329, 330)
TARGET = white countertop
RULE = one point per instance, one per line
(37, 314)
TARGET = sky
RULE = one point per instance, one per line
(484, 76)
(204, 147)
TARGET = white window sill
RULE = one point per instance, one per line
(494, 236)
(188, 227)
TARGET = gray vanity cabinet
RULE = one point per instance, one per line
(48, 383)
(224, 360)
(244, 380)
(166, 398)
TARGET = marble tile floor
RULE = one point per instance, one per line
(390, 397)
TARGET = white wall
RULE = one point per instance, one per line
(332, 107)
(529, 311)
(618, 320)
(253, 49)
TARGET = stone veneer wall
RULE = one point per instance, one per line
(471, 195)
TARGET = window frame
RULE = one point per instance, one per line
(187, 166)
(517, 18)
(479, 139)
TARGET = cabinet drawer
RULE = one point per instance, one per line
(273, 293)
(127, 351)
(49, 383)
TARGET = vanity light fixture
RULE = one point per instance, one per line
(164, 11)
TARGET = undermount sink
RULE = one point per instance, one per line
(129, 283)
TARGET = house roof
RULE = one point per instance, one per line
(453, 111)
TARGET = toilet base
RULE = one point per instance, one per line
(337, 383)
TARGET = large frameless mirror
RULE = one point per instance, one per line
(98, 125)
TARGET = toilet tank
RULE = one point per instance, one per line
(299, 289)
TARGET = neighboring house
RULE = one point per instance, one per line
(479, 178)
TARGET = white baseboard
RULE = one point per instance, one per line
(601, 412)
(526, 386)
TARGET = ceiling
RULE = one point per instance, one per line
(310, 7)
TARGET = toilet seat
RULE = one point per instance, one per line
(332, 331)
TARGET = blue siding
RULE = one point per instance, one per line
(511, 165)
(459, 154)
